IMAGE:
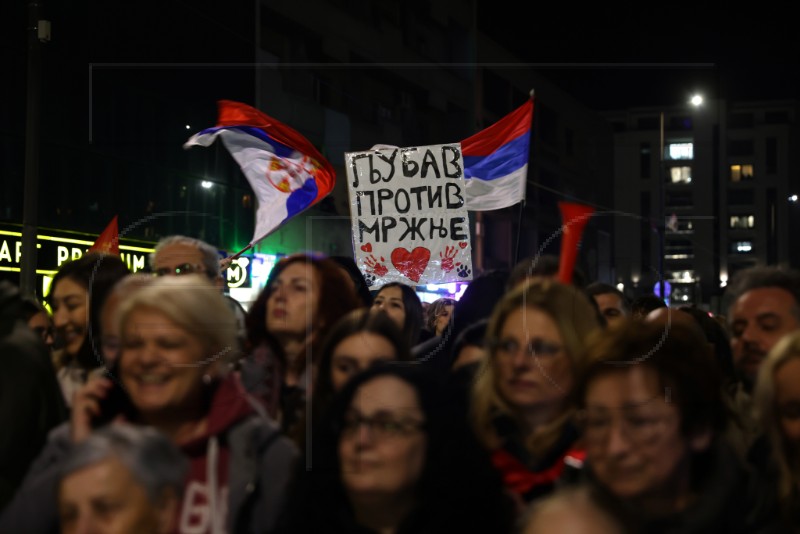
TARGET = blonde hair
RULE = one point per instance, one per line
(787, 349)
(193, 303)
(575, 318)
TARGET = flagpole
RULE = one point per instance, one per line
(519, 231)
(521, 208)
(225, 263)
(30, 201)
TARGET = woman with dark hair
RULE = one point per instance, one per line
(76, 298)
(286, 325)
(718, 337)
(718, 346)
(359, 340)
(31, 401)
(401, 303)
(348, 264)
(390, 457)
(651, 412)
(439, 315)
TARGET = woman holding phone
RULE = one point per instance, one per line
(177, 337)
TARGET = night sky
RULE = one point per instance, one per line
(608, 55)
(611, 55)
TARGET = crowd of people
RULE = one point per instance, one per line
(155, 403)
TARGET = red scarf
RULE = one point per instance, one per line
(519, 478)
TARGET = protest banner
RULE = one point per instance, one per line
(409, 216)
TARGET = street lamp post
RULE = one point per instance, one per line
(37, 34)
(660, 226)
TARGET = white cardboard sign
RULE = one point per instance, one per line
(410, 222)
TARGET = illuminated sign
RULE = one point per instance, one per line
(54, 248)
(238, 273)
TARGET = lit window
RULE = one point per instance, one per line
(681, 293)
(741, 247)
(680, 151)
(678, 225)
(687, 276)
(680, 175)
(742, 221)
(740, 173)
(678, 249)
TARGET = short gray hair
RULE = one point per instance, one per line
(209, 253)
(194, 304)
(152, 459)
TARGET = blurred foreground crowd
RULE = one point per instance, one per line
(154, 403)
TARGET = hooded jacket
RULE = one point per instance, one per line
(242, 454)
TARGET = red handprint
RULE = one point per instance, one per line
(447, 259)
(378, 269)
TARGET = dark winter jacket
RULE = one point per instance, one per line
(730, 499)
(259, 464)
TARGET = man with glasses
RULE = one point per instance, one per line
(38, 319)
(179, 255)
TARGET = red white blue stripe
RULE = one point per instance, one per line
(496, 161)
(287, 173)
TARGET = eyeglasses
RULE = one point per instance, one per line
(509, 348)
(381, 426)
(180, 270)
(637, 427)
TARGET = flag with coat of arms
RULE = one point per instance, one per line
(286, 172)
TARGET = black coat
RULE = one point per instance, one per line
(731, 499)
(31, 403)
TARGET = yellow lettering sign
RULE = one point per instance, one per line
(5, 253)
(62, 254)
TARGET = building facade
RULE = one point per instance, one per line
(703, 192)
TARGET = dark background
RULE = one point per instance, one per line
(601, 52)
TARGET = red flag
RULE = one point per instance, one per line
(575, 216)
(108, 241)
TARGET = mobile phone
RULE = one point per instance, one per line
(116, 401)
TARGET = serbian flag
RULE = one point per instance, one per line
(496, 161)
(287, 173)
(108, 241)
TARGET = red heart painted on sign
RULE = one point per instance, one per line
(367, 247)
(411, 264)
(462, 244)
